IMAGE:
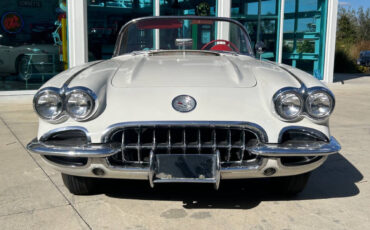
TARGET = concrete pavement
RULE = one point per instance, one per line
(32, 196)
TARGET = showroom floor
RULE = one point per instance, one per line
(32, 196)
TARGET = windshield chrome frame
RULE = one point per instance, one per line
(190, 17)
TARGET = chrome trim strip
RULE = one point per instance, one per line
(88, 150)
(248, 125)
(298, 149)
(47, 135)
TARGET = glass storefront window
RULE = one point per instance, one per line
(33, 33)
(260, 18)
(33, 42)
(289, 6)
(106, 17)
(188, 7)
(304, 35)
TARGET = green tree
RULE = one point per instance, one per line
(347, 26)
(353, 36)
(306, 46)
(363, 19)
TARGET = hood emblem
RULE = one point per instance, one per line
(184, 103)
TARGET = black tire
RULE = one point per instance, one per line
(79, 185)
(23, 68)
(291, 185)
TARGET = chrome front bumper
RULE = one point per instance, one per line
(269, 156)
(309, 148)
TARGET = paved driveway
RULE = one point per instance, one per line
(32, 196)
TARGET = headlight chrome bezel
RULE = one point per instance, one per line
(316, 90)
(49, 90)
(304, 95)
(92, 96)
(64, 94)
(279, 96)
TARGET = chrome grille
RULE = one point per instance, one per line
(137, 142)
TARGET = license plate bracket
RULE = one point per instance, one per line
(185, 168)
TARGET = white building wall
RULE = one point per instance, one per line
(331, 30)
(77, 32)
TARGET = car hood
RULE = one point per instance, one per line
(183, 71)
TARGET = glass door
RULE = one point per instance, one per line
(105, 19)
(304, 35)
(261, 19)
(201, 34)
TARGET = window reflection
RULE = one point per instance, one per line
(188, 7)
(304, 27)
(105, 19)
(260, 18)
(31, 42)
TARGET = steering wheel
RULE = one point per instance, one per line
(227, 43)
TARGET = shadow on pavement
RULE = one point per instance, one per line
(342, 77)
(336, 178)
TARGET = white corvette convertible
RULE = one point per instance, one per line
(183, 99)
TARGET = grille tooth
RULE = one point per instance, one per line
(123, 145)
(169, 141)
(139, 144)
(243, 145)
(154, 146)
(184, 140)
(228, 144)
(199, 142)
(232, 142)
(214, 140)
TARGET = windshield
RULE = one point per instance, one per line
(183, 33)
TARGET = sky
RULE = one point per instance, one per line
(355, 3)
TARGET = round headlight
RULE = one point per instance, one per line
(319, 104)
(79, 105)
(289, 105)
(48, 104)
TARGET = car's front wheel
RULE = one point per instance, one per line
(23, 68)
(79, 185)
(291, 185)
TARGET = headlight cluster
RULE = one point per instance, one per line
(79, 103)
(317, 103)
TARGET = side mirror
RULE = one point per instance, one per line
(260, 48)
